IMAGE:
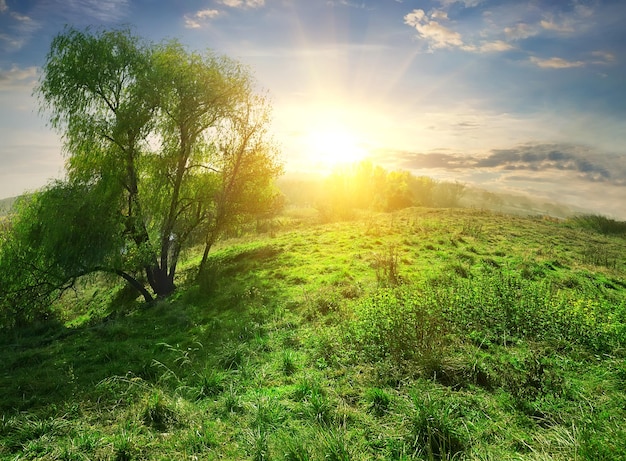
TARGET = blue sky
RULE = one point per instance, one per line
(518, 96)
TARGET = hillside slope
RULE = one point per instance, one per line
(422, 334)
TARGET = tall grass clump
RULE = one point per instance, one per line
(397, 326)
(436, 429)
(387, 266)
(600, 224)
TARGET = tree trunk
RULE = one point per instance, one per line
(205, 255)
(136, 285)
(162, 284)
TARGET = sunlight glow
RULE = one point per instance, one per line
(333, 145)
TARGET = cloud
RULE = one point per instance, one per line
(429, 28)
(466, 3)
(242, 3)
(11, 42)
(21, 27)
(568, 22)
(347, 3)
(501, 28)
(565, 27)
(555, 63)
(105, 11)
(439, 14)
(588, 164)
(583, 162)
(520, 31)
(17, 78)
(497, 45)
(433, 32)
(20, 17)
(603, 57)
(198, 19)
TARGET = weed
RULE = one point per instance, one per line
(157, 412)
(600, 255)
(294, 447)
(267, 412)
(199, 439)
(436, 430)
(319, 408)
(210, 383)
(306, 387)
(125, 444)
(386, 265)
(232, 402)
(232, 356)
(288, 362)
(472, 228)
(378, 401)
(335, 446)
(257, 443)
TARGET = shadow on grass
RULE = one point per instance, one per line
(48, 365)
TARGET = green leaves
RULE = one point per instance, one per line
(166, 149)
(59, 234)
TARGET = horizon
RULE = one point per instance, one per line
(514, 97)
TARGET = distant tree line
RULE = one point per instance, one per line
(366, 186)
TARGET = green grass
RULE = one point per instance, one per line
(423, 334)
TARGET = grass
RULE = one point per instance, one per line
(423, 334)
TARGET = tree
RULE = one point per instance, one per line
(173, 144)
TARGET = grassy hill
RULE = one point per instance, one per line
(422, 334)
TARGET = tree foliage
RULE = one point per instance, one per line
(165, 149)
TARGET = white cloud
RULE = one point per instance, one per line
(555, 63)
(497, 45)
(466, 3)
(199, 18)
(11, 42)
(347, 3)
(520, 31)
(603, 57)
(106, 11)
(439, 36)
(434, 33)
(563, 27)
(568, 22)
(243, 3)
(3, 6)
(20, 17)
(17, 78)
(439, 14)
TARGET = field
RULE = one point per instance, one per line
(420, 334)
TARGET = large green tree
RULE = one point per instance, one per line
(173, 142)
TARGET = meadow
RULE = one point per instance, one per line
(425, 333)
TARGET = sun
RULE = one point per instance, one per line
(333, 145)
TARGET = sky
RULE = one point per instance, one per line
(518, 96)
